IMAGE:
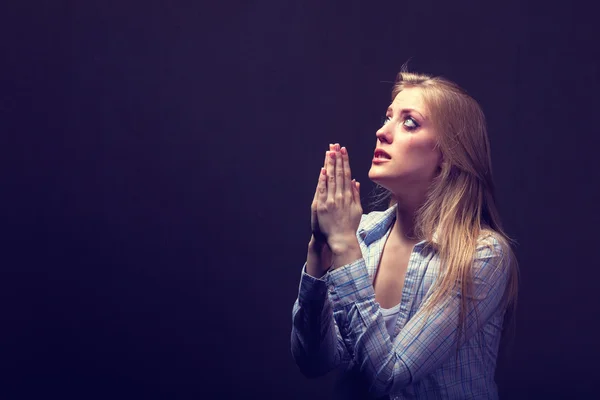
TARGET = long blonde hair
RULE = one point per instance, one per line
(460, 207)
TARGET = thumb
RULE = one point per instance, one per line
(356, 190)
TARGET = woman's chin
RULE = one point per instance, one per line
(376, 176)
(382, 179)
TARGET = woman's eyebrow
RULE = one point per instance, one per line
(406, 111)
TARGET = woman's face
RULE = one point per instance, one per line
(409, 139)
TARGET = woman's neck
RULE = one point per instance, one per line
(404, 225)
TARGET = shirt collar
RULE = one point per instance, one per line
(380, 223)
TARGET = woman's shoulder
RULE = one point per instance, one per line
(495, 249)
(493, 241)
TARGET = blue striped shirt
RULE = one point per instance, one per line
(336, 321)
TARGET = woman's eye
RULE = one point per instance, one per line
(410, 123)
(385, 120)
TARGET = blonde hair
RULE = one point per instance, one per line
(460, 208)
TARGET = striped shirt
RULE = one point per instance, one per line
(337, 322)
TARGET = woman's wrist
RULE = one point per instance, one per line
(315, 246)
(341, 245)
(345, 251)
(319, 259)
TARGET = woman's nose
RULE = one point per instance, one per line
(383, 135)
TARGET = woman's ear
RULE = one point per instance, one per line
(441, 161)
(438, 149)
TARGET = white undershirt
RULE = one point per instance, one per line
(390, 315)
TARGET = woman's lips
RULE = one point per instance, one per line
(379, 160)
(381, 153)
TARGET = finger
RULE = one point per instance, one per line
(322, 187)
(356, 191)
(326, 156)
(339, 172)
(348, 185)
(331, 175)
(324, 166)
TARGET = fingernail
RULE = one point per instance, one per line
(332, 154)
(344, 151)
(337, 147)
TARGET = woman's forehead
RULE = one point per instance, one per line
(409, 98)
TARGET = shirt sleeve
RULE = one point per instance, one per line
(317, 346)
(423, 344)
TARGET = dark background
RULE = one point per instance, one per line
(159, 160)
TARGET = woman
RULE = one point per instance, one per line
(411, 299)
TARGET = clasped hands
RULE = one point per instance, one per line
(336, 208)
